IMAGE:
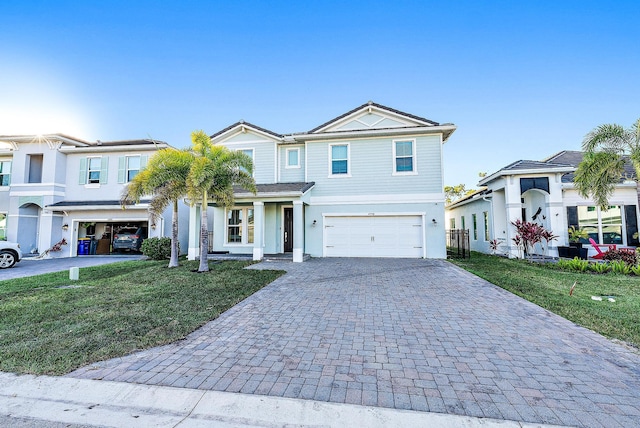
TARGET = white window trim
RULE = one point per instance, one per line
(599, 224)
(244, 228)
(413, 156)
(253, 157)
(89, 185)
(331, 174)
(126, 166)
(292, 149)
(10, 162)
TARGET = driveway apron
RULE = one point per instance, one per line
(408, 334)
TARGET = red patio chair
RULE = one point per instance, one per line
(597, 246)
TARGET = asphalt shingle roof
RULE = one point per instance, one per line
(301, 187)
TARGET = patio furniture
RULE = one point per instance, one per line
(597, 246)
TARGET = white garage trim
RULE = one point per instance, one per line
(361, 230)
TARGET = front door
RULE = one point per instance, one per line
(288, 230)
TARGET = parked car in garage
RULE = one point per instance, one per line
(129, 238)
(10, 254)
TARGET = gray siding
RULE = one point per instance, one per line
(372, 166)
(264, 158)
(291, 175)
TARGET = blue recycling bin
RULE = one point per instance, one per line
(83, 246)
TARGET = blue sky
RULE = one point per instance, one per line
(521, 80)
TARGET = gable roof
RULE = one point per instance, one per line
(240, 124)
(53, 140)
(405, 123)
(369, 105)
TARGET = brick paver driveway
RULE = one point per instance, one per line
(410, 334)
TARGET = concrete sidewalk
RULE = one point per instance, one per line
(43, 401)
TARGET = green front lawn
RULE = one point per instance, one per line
(549, 287)
(51, 325)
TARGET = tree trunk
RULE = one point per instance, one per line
(173, 261)
(204, 236)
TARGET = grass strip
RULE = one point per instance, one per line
(51, 325)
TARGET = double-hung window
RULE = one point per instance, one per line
(339, 155)
(133, 167)
(404, 161)
(240, 226)
(94, 165)
(130, 166)
(293, 158)
(93, 170)
(249, 152)
(5, 173)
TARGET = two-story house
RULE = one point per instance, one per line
(543, 192)
(368, 183)
(56, 186)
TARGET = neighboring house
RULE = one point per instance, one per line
(368, 183)
(543, 192)
(56, 186)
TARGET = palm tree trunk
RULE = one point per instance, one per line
(173, 261)
(204, 236)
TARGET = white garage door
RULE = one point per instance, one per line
(373, 236)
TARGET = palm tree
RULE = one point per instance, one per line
(214, 172)
(164, 179)
(606, 149)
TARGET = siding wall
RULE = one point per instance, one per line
(110, 190)
(264, 154)
(477, 207)
(291, 175)
(371, 168)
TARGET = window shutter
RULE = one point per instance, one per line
(572, 217)
(122, 162)
(104, 169)
(143, 161)
(631, 224)
(82, 176)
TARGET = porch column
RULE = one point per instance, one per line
(298, 231)
(193, 252)
(513, 206)
(258, 230)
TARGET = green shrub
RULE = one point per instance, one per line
(635, 270)
(599, 267)
(157, 248)
(627, 257)
(576, 264)
(621, 267)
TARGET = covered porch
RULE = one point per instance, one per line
(270, 222)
